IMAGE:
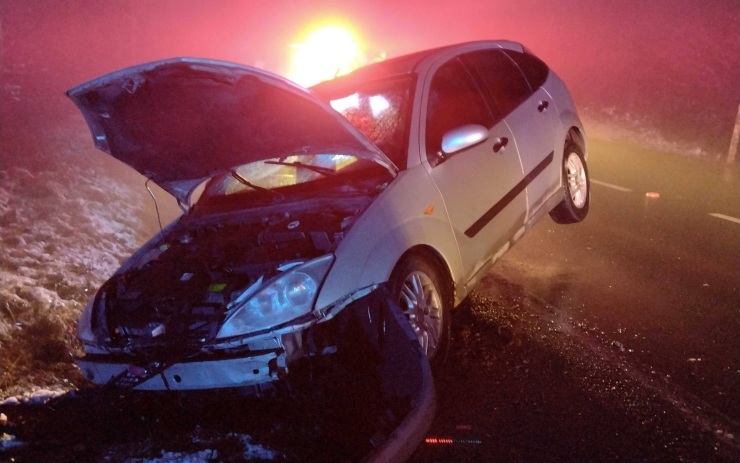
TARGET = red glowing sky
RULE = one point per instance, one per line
(675, 49)
(98, 37)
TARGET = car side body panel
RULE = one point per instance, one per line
(565, 109)
(535, 132)
(476, 256)
(567, 120)
(442, 233)
(386, 230)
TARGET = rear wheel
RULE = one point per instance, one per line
(576, 186)
(424, 294)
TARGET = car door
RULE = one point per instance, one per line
(530, 114)
(478, 184)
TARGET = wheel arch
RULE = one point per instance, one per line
(575, 135)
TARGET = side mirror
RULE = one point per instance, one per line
(463, 137)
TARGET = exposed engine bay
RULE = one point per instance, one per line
(176, 292)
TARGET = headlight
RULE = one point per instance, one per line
(284, 298)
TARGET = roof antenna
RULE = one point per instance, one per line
(156, 206)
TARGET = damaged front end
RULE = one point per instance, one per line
(363, 392)
(222, 300)
(226, 297)
(357, 382)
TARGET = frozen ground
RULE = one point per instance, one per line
(64, 230)
(200, 447)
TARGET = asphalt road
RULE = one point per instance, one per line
(617, 339)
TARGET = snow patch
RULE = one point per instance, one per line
(37, 397)
(251, 451)
(203, 456)
(63, 232)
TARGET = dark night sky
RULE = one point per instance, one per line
(675, 60)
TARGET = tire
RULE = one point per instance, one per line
(424, 294)
(576, 187)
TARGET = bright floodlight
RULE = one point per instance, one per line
(326, 52)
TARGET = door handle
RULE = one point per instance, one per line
(500, 144)
(543, 106)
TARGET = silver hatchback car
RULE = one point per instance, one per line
(414, 174)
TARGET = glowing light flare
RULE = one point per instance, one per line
(378, 104)
(342, 104)
(326, 52)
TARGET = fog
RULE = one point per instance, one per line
(663, 69)
(671, 64)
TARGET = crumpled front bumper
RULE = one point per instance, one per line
(374, 362)
(182, 376)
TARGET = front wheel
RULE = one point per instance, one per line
(424, 294)
(576, 185)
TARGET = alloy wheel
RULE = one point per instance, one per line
(577, 183)
(421, 301)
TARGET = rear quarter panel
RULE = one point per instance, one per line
(566, 110)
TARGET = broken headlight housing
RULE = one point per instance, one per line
(286, 297)
(84, 325)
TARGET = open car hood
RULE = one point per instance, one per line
(180, 121)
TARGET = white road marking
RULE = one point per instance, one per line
(726, 217)
(621, 188)
(610, 185)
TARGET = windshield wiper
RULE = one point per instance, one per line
(318, 169)
(246, 182)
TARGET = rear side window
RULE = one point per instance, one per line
(504, 82)
(534, 69)
(454, 100)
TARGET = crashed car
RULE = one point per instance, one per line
(416, 173)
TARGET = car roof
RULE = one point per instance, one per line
(408, 64)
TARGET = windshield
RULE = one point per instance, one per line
(263, 182)
(278, 173)
(378, 109)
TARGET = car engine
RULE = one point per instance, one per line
(174, 293)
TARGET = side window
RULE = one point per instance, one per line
(454, 100)
(504, 82)
(534, 69)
